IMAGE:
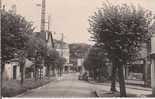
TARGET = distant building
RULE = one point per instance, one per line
(78, 52)
(63, 50)
(80, 64)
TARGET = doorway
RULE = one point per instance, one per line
(14, 71)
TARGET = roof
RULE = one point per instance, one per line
(28, 63)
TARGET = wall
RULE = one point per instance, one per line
(8, 71)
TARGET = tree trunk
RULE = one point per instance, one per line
(22, 73)
(100, 74)
(94, 75)
(2, 71)
(53, 69)
(61, 71)
(121, 81)
(40, 73)
(35, 72)
(22, 78)
(48, 71)
(113, 78)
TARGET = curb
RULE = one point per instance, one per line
(97, 94)
(149, 89)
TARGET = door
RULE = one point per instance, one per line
(14, 72)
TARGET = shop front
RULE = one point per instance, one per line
(136, 70)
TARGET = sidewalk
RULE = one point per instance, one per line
(134, 82)
(132, 90)
(13, 87)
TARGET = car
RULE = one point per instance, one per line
(80, 76)
(83, 76)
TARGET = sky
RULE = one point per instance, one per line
(69, 17)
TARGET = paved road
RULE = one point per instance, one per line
(69, 86)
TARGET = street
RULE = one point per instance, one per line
(69, 86)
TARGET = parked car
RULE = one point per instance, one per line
(83, 76)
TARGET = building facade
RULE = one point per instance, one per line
(78, 52)
(136, 70)
(11, 71)
(63, 50)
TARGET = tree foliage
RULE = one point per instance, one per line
(35, 45)
(14, 34)
(121, 29)
(96, 61)
(15, 30)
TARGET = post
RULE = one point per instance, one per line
(153, 65)
(153, 76)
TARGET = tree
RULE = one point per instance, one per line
(14, 36)
(96, 63)
(50, 60)
(36, 49)
(121, 29)
(60, 61)
(77, 50)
